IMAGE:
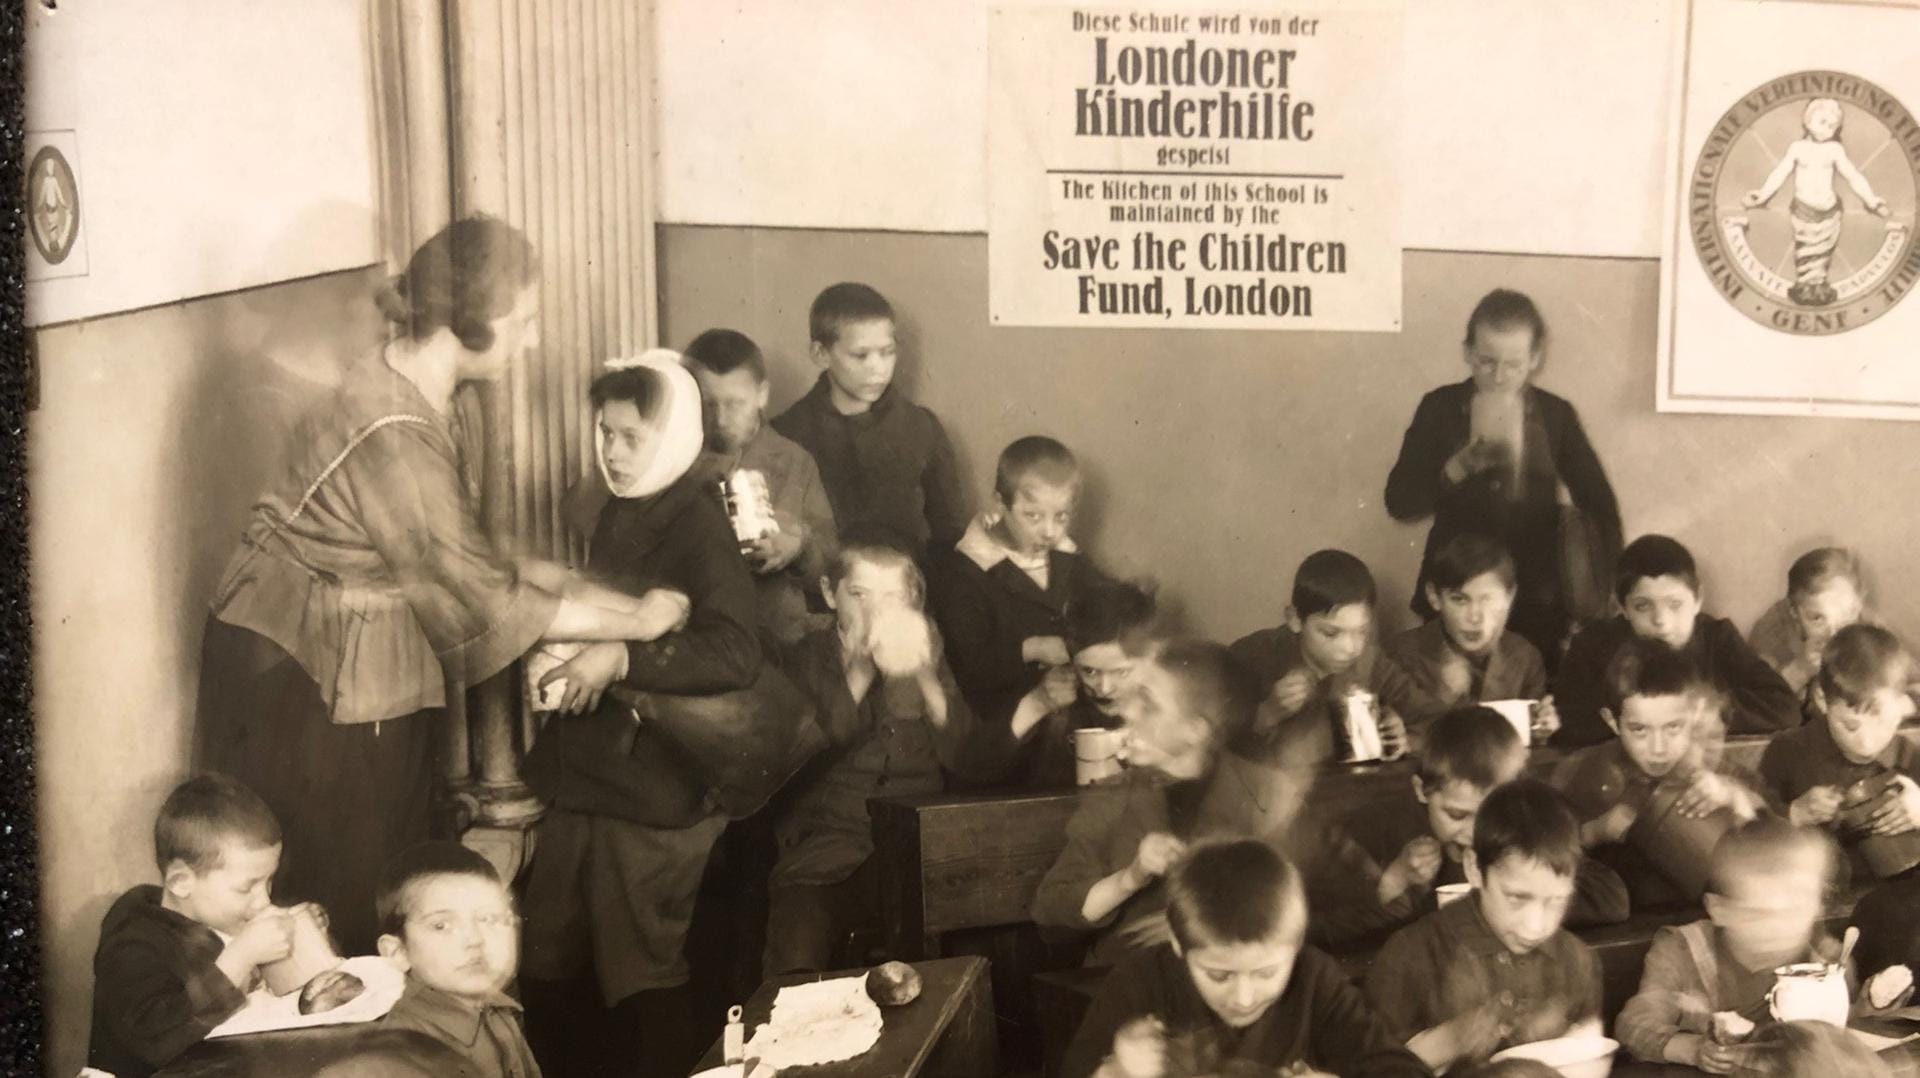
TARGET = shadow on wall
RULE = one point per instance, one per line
(161, 427)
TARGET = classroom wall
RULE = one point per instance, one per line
(154, 432)
(1219, 459)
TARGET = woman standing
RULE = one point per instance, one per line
(1493, 455)
(364, 592)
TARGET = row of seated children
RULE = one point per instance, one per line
(1237, 988)
(1657, 704)
(177, 959)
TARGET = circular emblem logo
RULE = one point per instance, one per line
(1802, 203)
(53, 205)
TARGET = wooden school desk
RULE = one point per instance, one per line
(362, 1049)
(946, 1033)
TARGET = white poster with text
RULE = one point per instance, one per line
(1176, 169)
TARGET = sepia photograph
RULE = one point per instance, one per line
(972, 538)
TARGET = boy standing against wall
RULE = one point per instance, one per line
(885, 460)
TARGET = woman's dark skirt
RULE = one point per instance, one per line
(348, 797)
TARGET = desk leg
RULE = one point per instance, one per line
(971, 1046)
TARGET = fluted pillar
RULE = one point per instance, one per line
(550, 106)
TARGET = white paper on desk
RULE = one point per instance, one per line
(266, 1012)
(821, 1022)
(542, 661)
(1878, 1043)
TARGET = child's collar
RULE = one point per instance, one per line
(981, 548)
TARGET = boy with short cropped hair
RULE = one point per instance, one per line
(895, 722)
(1825, 594)
(1108, 629)
(1423, 839)
(1466, 654)
(1764, 905)
(176, 960)
(1811, 771)
(1189, 702)
(1323, 653)
(886, 461)
(1001, 595)
(1659, 591)
(1497, 968)
(1657, 705)
(449, 924)
(1236, 985)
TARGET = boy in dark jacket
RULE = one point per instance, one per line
(1496, 968)
(1421, 837)
(1001, 595)
(886, 461)
(1236, 990)
(894, 720)
(176, 960)
(1324, 653)
(1659, 591)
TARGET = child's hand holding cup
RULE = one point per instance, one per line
(900, 641)
(1140, 1048)
(266, 939)
(1819, 805)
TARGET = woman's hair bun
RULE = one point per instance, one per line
(391, 298)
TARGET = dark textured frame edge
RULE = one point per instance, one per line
(22, 1035)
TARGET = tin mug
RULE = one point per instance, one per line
(1810, 991)
(1098, 754)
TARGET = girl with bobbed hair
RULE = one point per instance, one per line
(364, 595)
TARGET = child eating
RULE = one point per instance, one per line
(1660, 598)
(448, 922)
(1320, 663)
(1467, 654)
(176, 960)
(1768, 885)
(894, 719)
(1658, 708)
(1108, 628)
(1824, 595)
(1496, 969)
(1001, 593)
(1424, 835)
(1236, 990)
(1851, 772)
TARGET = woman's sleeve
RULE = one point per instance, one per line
(1414, 485)
(1580, 469)
(408, 498)
(718, 650)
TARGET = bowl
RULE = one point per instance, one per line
(1449, 893)
(1574, 1057)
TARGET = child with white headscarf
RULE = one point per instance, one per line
(608, 897)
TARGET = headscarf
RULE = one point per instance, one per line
(677, 418)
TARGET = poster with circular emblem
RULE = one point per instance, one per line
(56, 243)
(1791, 251)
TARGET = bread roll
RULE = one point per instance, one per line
(334, 988)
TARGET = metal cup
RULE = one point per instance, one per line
(311, 956)
(1098, 754)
